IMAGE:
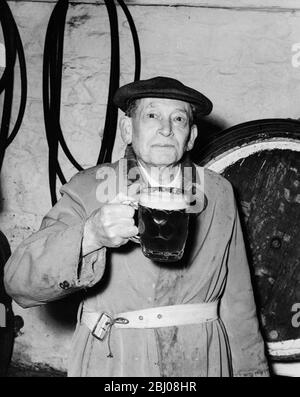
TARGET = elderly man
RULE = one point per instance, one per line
(84, 242)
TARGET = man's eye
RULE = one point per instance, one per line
(152, 115)
(180, 119)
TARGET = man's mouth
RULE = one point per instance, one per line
(163, 145)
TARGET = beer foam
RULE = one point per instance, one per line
(163, 200)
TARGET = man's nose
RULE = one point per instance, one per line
(166, 127)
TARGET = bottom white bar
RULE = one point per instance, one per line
(286, 369)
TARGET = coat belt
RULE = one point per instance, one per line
(154, 317)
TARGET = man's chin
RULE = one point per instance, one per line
(163, 160)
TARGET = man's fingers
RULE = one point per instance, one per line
(122, 198)
(118, 210)
(118, 223)
(123, 231)
(112, 224)
(129, 232)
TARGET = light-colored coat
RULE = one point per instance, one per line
(48, 265)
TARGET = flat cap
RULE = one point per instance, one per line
(162, 87)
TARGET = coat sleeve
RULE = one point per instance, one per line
(238, 311)
(48, 265)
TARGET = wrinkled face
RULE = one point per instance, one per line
(160, 131)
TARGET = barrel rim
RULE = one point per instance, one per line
(246, 133)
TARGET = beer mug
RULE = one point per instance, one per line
(162, 223)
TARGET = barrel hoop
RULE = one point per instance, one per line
(286, 369)
(285, 348)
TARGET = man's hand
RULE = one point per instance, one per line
(109, 226)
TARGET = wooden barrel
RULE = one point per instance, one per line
(261, 159)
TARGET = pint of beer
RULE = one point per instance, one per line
(163, 223)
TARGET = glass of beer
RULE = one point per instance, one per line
(163, 223)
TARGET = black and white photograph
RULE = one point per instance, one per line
(150, 191)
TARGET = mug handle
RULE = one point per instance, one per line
(136, 239)
(133, 204)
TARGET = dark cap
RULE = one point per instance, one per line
(162, 87)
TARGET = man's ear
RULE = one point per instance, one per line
(125, 125)
(193, 136)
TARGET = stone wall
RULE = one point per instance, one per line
(240, 57)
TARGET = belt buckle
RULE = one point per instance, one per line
(102, 326)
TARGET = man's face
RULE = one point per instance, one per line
(160, 131)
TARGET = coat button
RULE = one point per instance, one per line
(276, 242)
(64, 285)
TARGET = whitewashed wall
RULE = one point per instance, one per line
(237, 53)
